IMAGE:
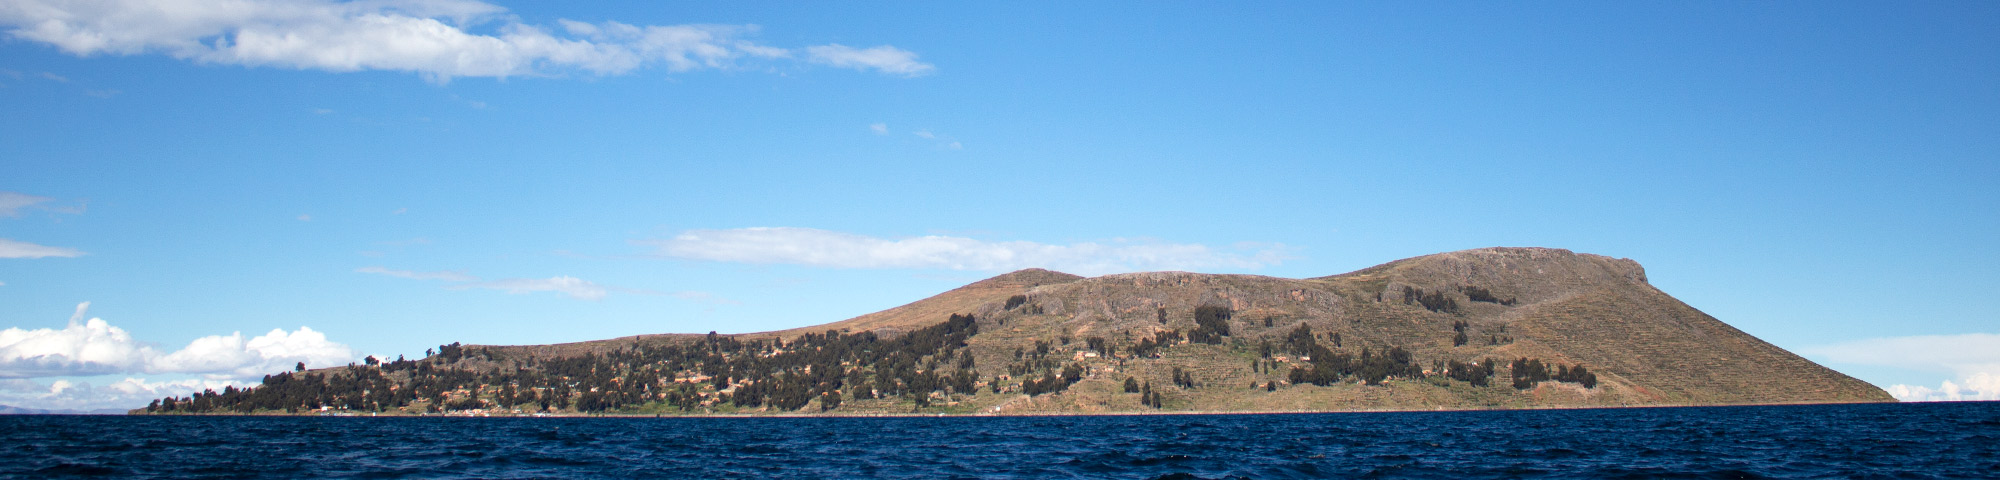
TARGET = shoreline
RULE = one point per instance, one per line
(991, 415)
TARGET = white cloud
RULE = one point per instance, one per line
(879, 128)
(11, 203)
(885, 59)
(305, 217)
(18, 249)
(438, 39)
(95, 347)
(449, 276)
(82, 395)
(573, 287)
(821, 248)
(1978, 386)
(231, 356)
(924, 134)
(1974, 358)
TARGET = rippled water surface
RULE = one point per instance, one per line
(1943, 440)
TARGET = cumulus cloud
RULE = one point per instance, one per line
(822, 248)
(1973, 358)
(95, 347)
(438, 39)
(1978, 386)
(18, 249)
(232, 356)
(885, 59)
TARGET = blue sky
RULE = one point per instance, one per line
(277, 181)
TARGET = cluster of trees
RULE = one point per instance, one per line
(1434, 301)
(1183, 379)
(1458, 339)
(1482, 295)
(1327, 366)
(1019, 300)
(1211, 324)
(710, 371)
(1150, 398)
(1529, 371)
(1052, 383)
(1099, 344)
(1150, 347)
(1478, 373)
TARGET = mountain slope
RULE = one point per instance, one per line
(1485, 328)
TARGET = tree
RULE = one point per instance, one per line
(1131, 385)
(300, 368)
(1211, 324)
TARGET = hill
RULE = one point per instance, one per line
(1474, 329)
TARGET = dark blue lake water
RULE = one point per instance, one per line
(1939, 440)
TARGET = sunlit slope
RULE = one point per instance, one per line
(1556, 307)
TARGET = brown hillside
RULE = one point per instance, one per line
(1556, 306)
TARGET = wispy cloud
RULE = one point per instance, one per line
(944, 141)
(1973, 358)
(11, 203)
(438, 39)
(407, 242)
(879, 128)
(571, 287)
(822, 248)
(449, 276)
(885, 59)
(19, 249)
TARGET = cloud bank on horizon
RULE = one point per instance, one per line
(1974, 358)
(823, 248)
(437, 39)
(94, 347)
